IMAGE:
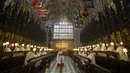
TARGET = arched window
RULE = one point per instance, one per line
(63, 30)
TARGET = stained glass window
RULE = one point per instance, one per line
(63, 31)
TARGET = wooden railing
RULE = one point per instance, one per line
(112, 64)
(13, 62)
(85, 65)
(43, 61)
(107, 53)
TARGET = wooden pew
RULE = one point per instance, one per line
(108, 53)
(45, 61)
(114, 65)
(86, 66)
(9, 62)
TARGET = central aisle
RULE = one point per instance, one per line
(69, 66)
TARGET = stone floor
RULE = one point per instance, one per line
(69, 66)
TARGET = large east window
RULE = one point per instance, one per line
(63, 30)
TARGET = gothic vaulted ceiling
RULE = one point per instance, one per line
(62, 9)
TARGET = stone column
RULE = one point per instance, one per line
(77, 37)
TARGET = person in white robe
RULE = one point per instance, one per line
(111, 47)
(83, 54)
(7, 49)
(97, 48)
(29, 55)
(91, 56)
(122, 55)
(80, 53)
(27, 48)
(90, 49)
(22, 47)
(16, 47)
(38, 53)
(60, 57)
(103, 48)
(42, 52)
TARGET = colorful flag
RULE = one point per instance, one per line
(85, 6)
(43, 12)
(83, 15)
(28, 2)
(37, 4)
(90, 4)
(79, 23)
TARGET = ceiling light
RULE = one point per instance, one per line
(7, 43)
(121, 43)
(41, 49)
(16, 44)
(28, 45)
(112, 43)
(98, 45)
(12, 44)
(85, 49)
(22, 44)
(34, 49)
(103, 44)
(4, 44)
